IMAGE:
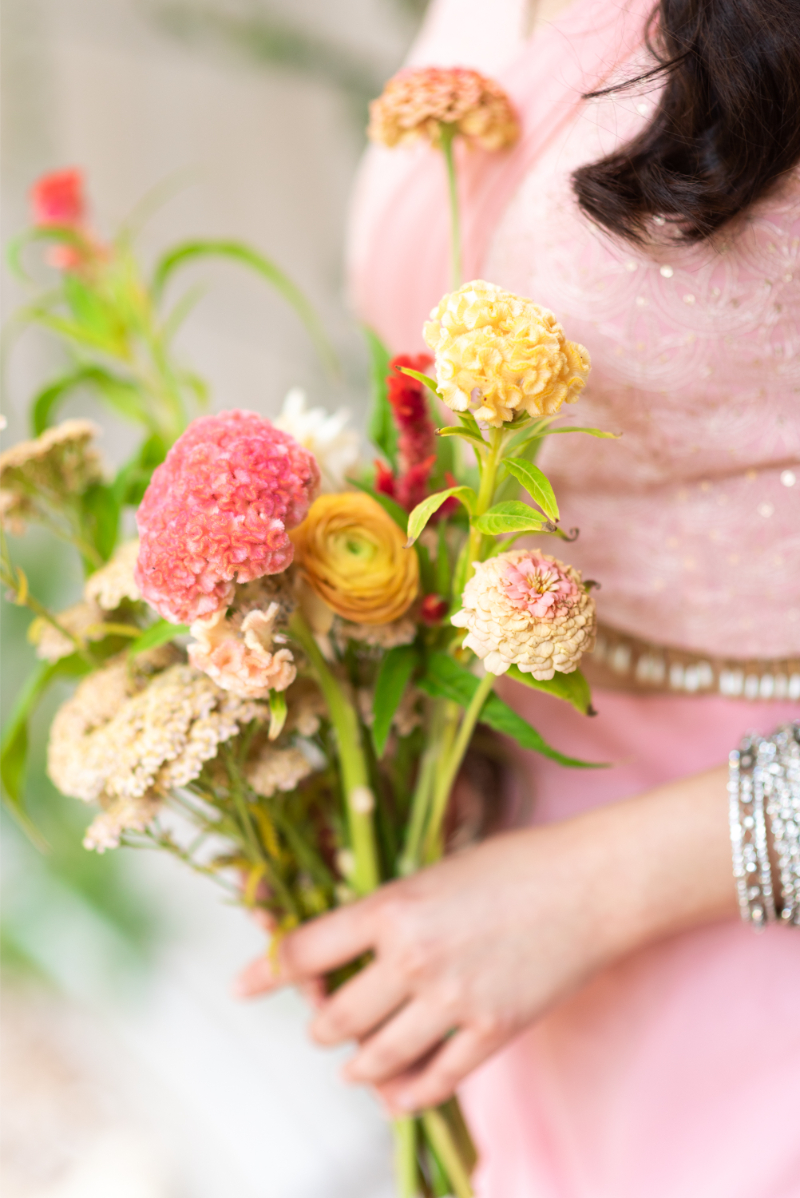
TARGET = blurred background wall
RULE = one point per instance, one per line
(129, 1072)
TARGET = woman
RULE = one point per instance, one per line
(617, 1029)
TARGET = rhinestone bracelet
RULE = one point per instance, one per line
(782, 795)
(764, 780)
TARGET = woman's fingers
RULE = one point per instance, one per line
(437, 1079)
(314, 949)
(360, 1005)
(394, 1048)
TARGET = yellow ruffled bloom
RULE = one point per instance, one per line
(500, 355)
(353, 556)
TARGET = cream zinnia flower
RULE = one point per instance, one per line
(322, 433)
(500, 355)
(526, 609)
(108, 743)
(114, 581)
(419, 101)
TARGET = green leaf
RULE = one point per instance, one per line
(535, 483)
(572, 688)
(425, 379)
(448, 679)
(101, 506)
(423, 511)
(60, 234)
(398, 513)
(236, 251)
(443, 569)
(381, 428)
(121, 395)
(14, 745)
(511, 516)
(571, 428)
(453, 430)
(157, 634)
(393, 678)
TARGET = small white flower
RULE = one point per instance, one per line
(322, 433)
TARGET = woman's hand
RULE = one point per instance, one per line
(469, 952)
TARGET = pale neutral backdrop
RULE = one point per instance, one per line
(124, 1081)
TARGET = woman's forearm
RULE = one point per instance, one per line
(662, 860)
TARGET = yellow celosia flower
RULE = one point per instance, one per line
(420, 101)
(353, 556)
(500, 355)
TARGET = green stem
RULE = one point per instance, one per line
(446, 1148)
(485, 494)
(355, 773)
(420, 803)
(451, 764)
(448, 135)
(405, 1139)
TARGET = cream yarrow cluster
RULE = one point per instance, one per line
(500, 355)
(526, 609)
(421, 101)
(112, 742)
(57, 465)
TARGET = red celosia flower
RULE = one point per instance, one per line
(409, 403)
(218, 510)
(57, 199)
(433, 609)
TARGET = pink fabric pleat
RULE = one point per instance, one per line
(676, 1074)
(404, 190)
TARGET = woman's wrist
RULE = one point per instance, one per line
(655, 865)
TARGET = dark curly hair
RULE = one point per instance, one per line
(726, 128)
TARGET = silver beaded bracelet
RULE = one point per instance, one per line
(764, 783)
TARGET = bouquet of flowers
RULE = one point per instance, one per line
(279, 679)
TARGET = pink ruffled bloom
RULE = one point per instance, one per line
(218, 511)
(57, 199)
(245, 661)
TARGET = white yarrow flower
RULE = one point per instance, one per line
(322, 433)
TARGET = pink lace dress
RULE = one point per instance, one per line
(675, 1074)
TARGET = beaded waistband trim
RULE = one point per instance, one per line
(661, 668)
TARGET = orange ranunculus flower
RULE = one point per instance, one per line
(353, 556)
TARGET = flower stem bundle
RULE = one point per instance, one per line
(279, 681)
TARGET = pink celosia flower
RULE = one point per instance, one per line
(218, 511)
(57, 199)
(526, 609)
(243, 660)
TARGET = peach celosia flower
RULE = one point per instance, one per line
(501, 355)
(353, 556)
(218, 510)
(241, 656)
(114, 581)
(420, 100)
(526, 609)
